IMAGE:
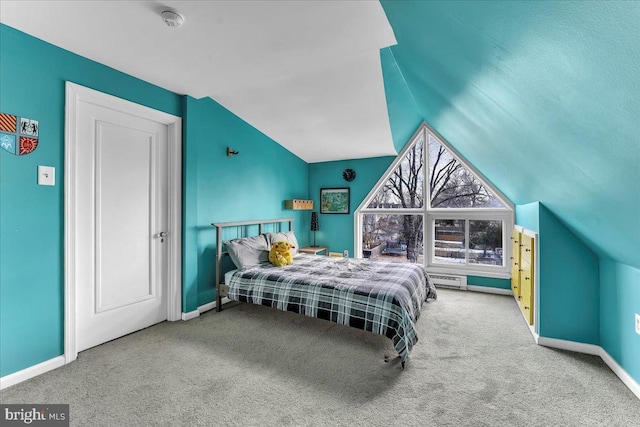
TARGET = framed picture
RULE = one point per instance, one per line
(334, 200)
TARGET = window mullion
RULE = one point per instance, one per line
(466, 242)
(394, 211)
(425, 238)
(425, 172)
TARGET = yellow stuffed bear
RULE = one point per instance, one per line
(280, 255)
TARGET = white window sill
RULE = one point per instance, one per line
(498, 273)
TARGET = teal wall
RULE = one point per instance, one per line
(528, 216)
(249, 186)
(336, 230)
(569, 282)
(489, 282)
(619, 302)
(32, 84)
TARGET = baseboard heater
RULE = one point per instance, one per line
(449, 281)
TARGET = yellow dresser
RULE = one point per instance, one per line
(527, 271)
(522, 272)
(515, 264)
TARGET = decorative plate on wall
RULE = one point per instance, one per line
(349, 175)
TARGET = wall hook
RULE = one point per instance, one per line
(230, 152)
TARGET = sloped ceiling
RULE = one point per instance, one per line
(542, 97)
(404, 115)
(307, 74)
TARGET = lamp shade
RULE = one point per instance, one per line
(314, 221)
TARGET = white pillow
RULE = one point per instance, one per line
(289, 236)
(248, 251)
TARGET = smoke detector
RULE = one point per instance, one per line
(172, 18)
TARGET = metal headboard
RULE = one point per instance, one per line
(241, 231)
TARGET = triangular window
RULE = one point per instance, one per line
(433, 208)
(452, 184)
(404, 188)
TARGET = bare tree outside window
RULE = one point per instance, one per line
(450, 184)
(405, 186)
(405, 189)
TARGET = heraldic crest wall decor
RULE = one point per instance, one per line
(18, 135)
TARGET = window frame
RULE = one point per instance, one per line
(506, 214)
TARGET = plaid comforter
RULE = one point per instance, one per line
(380, 297)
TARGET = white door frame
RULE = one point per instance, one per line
(74, 94)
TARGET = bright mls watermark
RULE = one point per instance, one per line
(34, 415)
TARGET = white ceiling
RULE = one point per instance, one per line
(305, 73)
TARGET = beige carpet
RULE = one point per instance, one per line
(475, 365)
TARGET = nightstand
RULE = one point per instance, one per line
(314, 250)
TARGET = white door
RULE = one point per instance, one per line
(121, 214)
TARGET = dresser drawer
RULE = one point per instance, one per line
(526, 305)
(527, 249)
(515, 280)
(526, 279)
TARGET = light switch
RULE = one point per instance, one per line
(46, 175)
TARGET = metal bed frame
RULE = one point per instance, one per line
(241, 231)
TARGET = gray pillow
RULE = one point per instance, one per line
(289, 236)
(248, 251)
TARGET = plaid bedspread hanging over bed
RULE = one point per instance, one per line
(380, 297)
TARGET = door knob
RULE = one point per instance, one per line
(162, 234)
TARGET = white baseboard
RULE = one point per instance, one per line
(201, 309)
(578, 347)
(595, 350)
(206, 307)
(212, 305)
(31, 371)
(190, 315)
(620, 372)
(488, 290)
(532, 329)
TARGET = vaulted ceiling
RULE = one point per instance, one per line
(542, 97)
(307, 74)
